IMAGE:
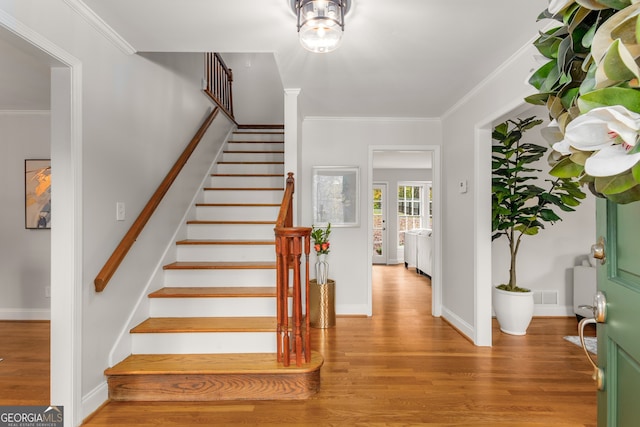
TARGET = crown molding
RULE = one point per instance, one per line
(25, 112)
(100, 25)
(372, 119)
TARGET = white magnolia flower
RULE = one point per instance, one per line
(609, 131)
(600, 128)
(611, 161)
(556, 6)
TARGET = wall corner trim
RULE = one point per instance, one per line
(101, 26)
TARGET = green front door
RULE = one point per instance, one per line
(619, 334)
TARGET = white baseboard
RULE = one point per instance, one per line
(458, 323)
(541, 310)
(25, 314)
(94, 399)
(351, 309)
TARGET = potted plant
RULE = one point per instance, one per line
(521, 207)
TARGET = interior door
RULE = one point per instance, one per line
(379, 224)
(618, 330)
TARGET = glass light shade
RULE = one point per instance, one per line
(320, 24)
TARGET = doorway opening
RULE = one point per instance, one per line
(389, 166)
(66, 257)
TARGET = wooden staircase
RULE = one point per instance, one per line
(211, 334)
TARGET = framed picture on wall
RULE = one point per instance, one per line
(336, 196)
(37, 193)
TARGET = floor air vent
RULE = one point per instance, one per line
(545, 297)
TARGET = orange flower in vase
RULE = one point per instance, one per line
(321, 245)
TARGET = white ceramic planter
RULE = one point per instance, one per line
(514, 310)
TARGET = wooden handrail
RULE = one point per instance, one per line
(291, 243)
(130, 237)
(219, 81)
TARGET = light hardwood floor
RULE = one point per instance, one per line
(402, 367)
(24, 370)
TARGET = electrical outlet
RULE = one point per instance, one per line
(120, 212)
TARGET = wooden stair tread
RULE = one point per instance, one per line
(251, 163)
(224, 242)
(265, 363)
(247, 132)
(243, 189)
(238, 141)
(220, 265)
(215, 292)
(252, 152)
(261, 126)
(195, 221)
(243, 175)
(165, 325)
(237, 205)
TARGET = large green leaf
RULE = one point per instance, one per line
(538, 78)
(621, 25)
(547, 44)
(615, 4)
(606, 97)
(635, 171)
(566, 168)
(629, 196)
(618, 64)
(616, 184)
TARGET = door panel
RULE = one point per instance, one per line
(379, 231)
(618, 336)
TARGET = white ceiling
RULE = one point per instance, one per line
(402, 58)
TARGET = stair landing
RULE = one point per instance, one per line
(211, 377)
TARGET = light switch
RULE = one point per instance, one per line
(120, 212)
(462, 186)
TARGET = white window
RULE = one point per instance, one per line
(414, 211)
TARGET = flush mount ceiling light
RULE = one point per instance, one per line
(320, 23)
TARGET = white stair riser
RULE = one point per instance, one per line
(247, 181)
(213, 307)
(230, 231)
(204, 342)
(258, 136)
(240, 168)
(239, 278)
(255, 146)
(237, 213)
(226, 253)
(243, 196)
(252, 157)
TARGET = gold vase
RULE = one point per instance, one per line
(322, 306)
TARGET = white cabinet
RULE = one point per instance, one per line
(423, 253)
(417, 250)
(410, 238)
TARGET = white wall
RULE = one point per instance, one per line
(25, 262)
(138, 113)
(345, 142)
(546, 260)
(466, 222)
(258, 94)
(392, 177)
